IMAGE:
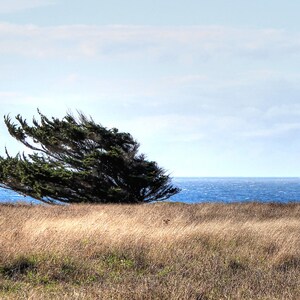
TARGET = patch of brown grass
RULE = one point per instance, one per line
(157, 251)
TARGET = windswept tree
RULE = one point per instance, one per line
(75, 160)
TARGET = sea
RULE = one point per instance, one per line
(208, 189)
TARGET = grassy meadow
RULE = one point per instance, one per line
(156, 251)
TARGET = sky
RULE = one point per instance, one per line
(208, 88)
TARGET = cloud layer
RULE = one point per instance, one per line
(17, 5)
(182, 43)
(213, 96)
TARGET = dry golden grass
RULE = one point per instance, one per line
(157, 251)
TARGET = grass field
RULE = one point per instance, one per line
(156, 251)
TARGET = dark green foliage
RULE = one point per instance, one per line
(76, 160)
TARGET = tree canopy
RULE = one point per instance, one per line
(75, 160)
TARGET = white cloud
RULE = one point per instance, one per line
(275, 130)
(283, 110)
(220, 88)
(16, 5)
(183, 44)
(4, 95)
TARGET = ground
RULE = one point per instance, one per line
(152, 251)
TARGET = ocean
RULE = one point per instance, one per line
(197, 190)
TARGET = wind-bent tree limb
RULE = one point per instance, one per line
(75, 160)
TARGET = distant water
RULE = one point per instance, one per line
(196, 190)
(10, 196)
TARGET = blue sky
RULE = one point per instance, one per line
(208, 88)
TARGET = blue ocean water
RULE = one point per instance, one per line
(11, 196)
(196, 190)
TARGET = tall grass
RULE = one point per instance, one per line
(157, 251)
